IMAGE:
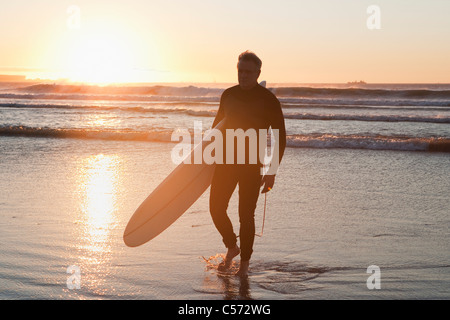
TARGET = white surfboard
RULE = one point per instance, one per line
(174, 195)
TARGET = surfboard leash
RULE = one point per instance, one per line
(264, 212)
(264, 216)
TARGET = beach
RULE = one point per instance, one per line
(364, 182)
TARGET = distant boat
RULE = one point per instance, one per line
(357, 82)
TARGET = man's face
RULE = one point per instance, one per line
(248, 74)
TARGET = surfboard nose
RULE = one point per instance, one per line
(128, 238)
(128, 242)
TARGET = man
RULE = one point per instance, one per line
(244, 106)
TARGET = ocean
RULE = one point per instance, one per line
(359, 210)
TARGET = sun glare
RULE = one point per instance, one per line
(101, 52)
(99, 182)
(99, 58)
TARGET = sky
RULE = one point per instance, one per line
(299, 41)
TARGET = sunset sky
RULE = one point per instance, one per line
(302, 41)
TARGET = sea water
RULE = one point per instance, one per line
(364, 182)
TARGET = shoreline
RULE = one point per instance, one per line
(332, 214)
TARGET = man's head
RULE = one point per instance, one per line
(249, 69)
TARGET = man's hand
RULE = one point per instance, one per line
(267, 181)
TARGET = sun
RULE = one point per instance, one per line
(102, 52)
(99, 57)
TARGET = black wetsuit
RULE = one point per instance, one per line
(257, 108)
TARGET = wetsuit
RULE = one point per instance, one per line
(257, 108)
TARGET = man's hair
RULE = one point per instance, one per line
(250, 56)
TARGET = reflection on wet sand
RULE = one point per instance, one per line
(98, 186)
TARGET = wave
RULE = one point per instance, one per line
(111, 97)
(377, 142)
(363, 103)
(138, 109)
(410, 106)
(381, 118)
(360, 93)
(171, 108)
(96, 134)
(156, 90)
(127, 106)
(185, 91)
(321, 141)
(287, 102)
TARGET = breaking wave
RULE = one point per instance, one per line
(321, 141)
(304, 95)
(191, 110)
(208, 91)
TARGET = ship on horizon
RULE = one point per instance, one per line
(357, 82)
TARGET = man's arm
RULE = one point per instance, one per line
(220, 113)
(278, 124)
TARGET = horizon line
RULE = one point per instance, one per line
(64, 81)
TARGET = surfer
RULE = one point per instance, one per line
(247, 105)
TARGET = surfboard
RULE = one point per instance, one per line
(173, 196)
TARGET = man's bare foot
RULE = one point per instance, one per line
(232, 252)
(243, 269)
